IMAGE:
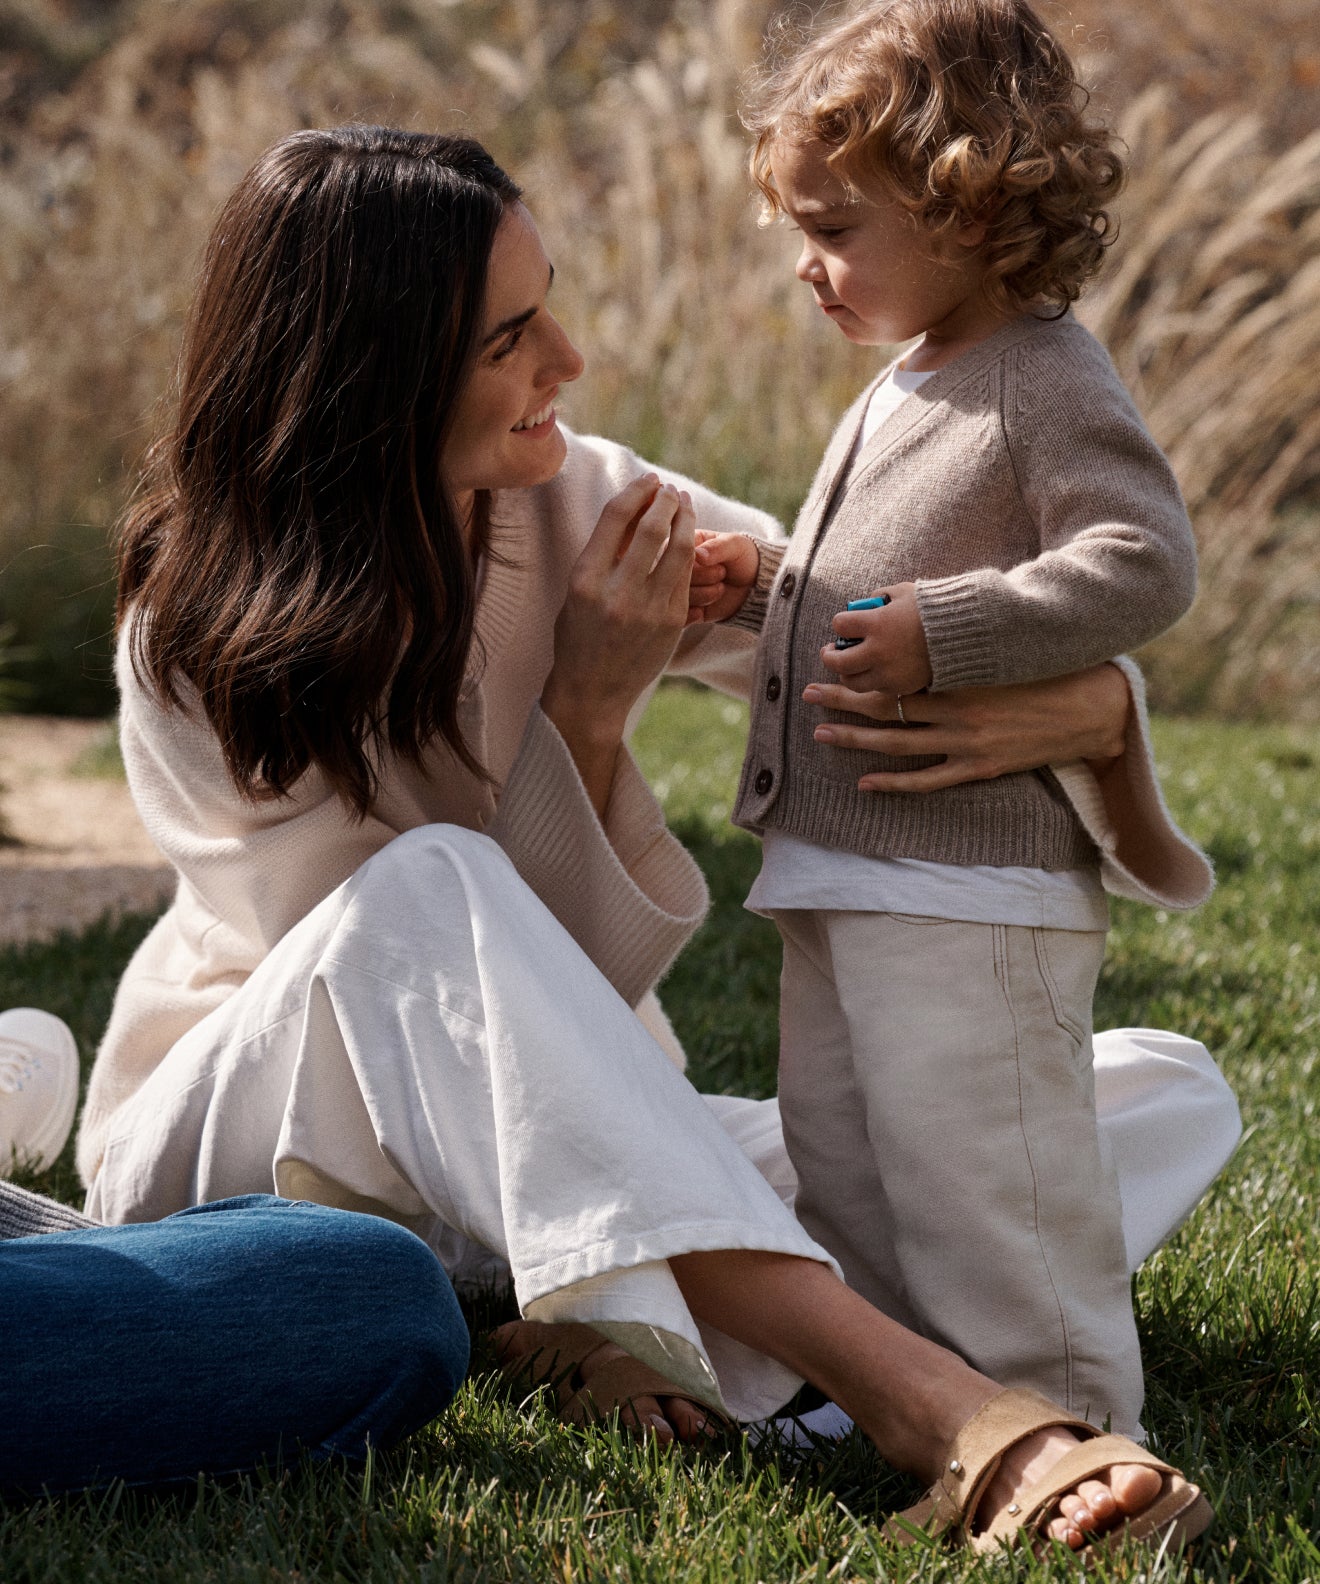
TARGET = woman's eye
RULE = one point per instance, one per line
(507, 346)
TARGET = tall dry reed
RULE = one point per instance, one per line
(1210, 306)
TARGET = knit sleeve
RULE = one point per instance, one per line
(751, 618)
(27, 1214)
(250, 869)
(1117, 559)
(624, 888)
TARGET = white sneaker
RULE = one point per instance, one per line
(38, 1088)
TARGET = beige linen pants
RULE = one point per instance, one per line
(938, 1104)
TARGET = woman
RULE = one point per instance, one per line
(361, 595)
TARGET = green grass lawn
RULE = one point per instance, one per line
(1230, 1311)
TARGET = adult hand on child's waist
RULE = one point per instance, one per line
(981, 732)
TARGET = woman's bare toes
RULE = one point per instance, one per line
(646, 1415)
(1095, 1507)
(692, 1424)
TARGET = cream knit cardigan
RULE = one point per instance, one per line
(625, 889)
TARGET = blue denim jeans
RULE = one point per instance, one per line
(226, 1336)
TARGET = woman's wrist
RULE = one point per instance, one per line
(592, 734)
(1109, 721)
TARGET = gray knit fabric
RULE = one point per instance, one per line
(1020, 491)
(27, 1214)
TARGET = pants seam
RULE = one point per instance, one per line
(1057, 1004)
(1000, 936)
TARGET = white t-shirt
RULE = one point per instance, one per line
(799, 874)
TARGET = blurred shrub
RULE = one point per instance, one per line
(126, 124)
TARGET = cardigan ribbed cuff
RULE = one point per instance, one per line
(630, 909)
(961, 651)
(751, 615)
(27, 1214)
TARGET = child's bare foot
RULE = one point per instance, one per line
(1095, 1507)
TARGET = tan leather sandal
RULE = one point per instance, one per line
(1177, 1515)
(554, 1356)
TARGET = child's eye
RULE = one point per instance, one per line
(831, 233)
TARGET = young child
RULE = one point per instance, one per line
(941, 950)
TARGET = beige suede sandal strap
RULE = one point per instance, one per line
(1088, 1460)
(557, 1349)
(1178, 1514)
(974, 1457)
(615, 1384)
(557, 1357)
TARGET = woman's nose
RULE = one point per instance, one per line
(565, 362)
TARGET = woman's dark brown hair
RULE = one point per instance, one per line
(293, 552)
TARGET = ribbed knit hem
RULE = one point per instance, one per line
(962, 653)
(27, 1214)
(1006, 823)
(630, 910)
(751, 617)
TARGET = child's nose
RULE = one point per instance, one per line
(809, 266)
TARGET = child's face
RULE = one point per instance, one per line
(879, 276)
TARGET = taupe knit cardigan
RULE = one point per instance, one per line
(1021, 492)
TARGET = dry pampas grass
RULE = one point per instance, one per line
(1210, 306)
(704, 352)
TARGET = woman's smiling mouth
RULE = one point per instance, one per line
(539, 423)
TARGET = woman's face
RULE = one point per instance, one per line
(504, 434)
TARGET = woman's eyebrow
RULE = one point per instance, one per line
(516, 321)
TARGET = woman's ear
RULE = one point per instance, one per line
(972, 234)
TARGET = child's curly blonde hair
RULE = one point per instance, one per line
(965, 111)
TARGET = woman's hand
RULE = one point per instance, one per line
(984, 732)
(624, 612)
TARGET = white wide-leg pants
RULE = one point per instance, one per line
(430, 1044)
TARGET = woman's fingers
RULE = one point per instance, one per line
(672, 573)
(616, 525)
(950, 772)
(627, 603)
(662, 520)
(874, 706)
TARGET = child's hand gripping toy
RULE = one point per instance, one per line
(864, 604)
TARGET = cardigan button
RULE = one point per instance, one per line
(772, 689)
(788, 585)
(764, 781)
